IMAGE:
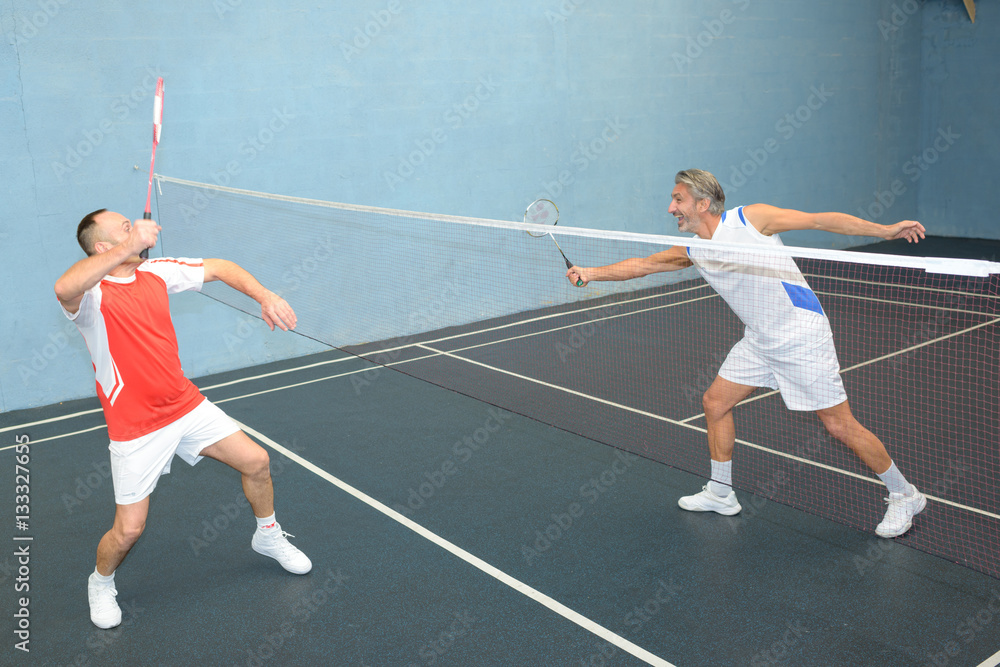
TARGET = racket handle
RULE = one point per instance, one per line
(569, 265)
(145, 251)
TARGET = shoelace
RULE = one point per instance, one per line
(897, 511)
(282, 544)
(102, 599)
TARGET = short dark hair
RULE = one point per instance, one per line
(88, 233)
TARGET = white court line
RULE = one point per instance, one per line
(684, 422)
(903, 303)
(563, 389)
(477, 332)
(350, 357)
(548, 331)
(83, 413)
(475, 561)
(991, 661)
(762, 448)
(601, 319)
(60, 436)
(637, 411)
(435, 353)
(490, 329)
(368, 355)
(368, 368)
(425, 344)
(550, 316)
(297, 384)
(901, 286)
(384, 351)
(50, 420)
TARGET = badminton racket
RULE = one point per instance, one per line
(157, 125)
(545, 213)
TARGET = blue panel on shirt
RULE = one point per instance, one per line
(740, 211)
(803, 297)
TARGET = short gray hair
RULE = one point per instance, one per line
(703, 185)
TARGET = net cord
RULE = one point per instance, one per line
(941, 265)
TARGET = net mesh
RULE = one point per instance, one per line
(484, 309)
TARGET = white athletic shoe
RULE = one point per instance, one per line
(104, 610)
(706, 501)
(899, 516)
(274, 543)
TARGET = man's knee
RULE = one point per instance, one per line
(837, 425)
(713, 407)
(129, 531)
(260, 463)
(242, 454)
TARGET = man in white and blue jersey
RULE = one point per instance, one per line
(787, 344)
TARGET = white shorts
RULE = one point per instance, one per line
(136, 465)
(807, 379)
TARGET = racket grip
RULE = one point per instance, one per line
(579, 283)
(145, 251)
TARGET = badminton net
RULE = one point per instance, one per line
(483, 308)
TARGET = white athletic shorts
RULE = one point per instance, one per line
(808, 379)
(136, 465)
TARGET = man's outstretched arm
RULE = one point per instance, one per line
(273, 309)
(772, 220)
(671, 259)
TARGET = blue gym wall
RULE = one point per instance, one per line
(958, 160)
(471, 108)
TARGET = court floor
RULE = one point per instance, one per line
(447, 531)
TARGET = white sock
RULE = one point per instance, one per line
(722, 478)
(266, 522)
(895, 482)
(101, 579)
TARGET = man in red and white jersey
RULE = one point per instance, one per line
(787, 344)
(119, 303)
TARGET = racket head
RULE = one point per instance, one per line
(157, 127)
(542, 212)
(158, 111)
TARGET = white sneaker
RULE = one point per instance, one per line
(899, 516)
(274, 543)
(104, 610)
(706, 501)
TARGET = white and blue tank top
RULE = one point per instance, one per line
(766, 291)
